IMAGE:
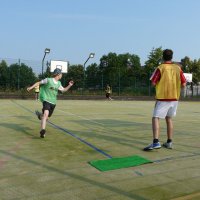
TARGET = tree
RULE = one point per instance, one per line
(46, 74)
(75, 73)
(130, 69)
(120, 70)
(21, 75)
(92, 76)
(186, 64)
(3, 74)
(154, 59)
(193, 67)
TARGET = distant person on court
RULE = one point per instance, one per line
(48, 96)
(108, 92)
(168, 78)
(37, 90)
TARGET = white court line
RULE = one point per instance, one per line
(95, 122)
(102, 126)
(81, 117)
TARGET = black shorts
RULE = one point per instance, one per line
(48, 106)
(107, 95)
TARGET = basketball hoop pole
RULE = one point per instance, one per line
(47, 50)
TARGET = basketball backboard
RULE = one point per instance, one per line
(188, 77)
(63, 65)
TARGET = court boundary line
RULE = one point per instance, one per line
(68, 132)
(97, 149)
(81, 140)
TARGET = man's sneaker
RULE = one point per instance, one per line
(153, 146)
(39, 114)
(42, 133)
(168, 145)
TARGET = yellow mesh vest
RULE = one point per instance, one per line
(37, 88)
(170, 83)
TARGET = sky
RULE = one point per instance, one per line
(73, 29)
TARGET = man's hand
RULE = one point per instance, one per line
(29, 88)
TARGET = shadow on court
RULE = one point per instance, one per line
(74, 176)
(18, 128)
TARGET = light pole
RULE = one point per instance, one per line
(119, 81)
(129, 63)
(90, 56)
(130, 67)
(46, 51)
(18, 76)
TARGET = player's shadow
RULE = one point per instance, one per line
(104, 130)
(110, 123)
(76, 176)
(126, 141)
(32, 119)
(22, 117)
(122, 140)
(18, 128)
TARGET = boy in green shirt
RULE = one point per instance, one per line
(48, 96)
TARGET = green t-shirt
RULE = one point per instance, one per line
(49, 91)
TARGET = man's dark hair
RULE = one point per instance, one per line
(167, 55)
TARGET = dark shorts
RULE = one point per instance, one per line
(107, 95)
(48, 106)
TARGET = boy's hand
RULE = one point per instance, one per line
(71, 83)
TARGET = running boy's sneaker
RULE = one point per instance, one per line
(39, 114)
(168, 145)
(42, 133)
(153, 146)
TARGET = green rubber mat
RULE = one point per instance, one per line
(118, 163)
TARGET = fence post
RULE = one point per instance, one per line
(18, 76)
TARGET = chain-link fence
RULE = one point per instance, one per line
(191, 90)
(19, 72)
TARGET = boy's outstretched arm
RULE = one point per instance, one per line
(70, 85)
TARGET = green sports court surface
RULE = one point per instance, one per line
(57, 167)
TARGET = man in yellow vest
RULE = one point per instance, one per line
(168, 78)
(37, 90)
(108, 92)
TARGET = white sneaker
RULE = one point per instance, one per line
(152, 146)
(168, 145)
